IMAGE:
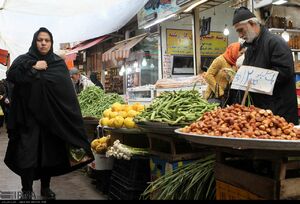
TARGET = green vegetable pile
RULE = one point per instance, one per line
(176, 108)
(193, 181)
(93, 101)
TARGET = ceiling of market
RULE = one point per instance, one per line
(68, 20)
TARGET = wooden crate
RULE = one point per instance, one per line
(173, 148)
(133, 140)
(235, 180)
(225, 191)
(90, 126)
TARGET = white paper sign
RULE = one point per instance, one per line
(262, 80)
(167, 66)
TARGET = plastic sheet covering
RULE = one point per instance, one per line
(68, 20)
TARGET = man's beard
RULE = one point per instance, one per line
(251, 35)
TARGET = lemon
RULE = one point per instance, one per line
(106, 112)
(116, 107)
(111, 122)
(131, 113)
(129, 123)
(136, 105)
(118, 122)
(123, 107)
(104, 121)
(95, 143)
(113, 114)
(103, 139)
(127, 108)
(123, 114)
(140, 108)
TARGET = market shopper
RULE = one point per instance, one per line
(75, 77)
(220, 73)
(4, 100)
(80, 82)
(269, 51)
(45, 125)
(95, 80)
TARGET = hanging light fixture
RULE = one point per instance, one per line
(285, 35)
(226, 30)
(129, 70)
(144, 62)
(279, 2)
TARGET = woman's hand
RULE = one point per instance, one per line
(40, 65)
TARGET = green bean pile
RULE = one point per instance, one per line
(176, 108)
(93, 101)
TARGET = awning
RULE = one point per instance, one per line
(121, 49)
(3, 57)
(85, 45)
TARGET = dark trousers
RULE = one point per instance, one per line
(27, 180)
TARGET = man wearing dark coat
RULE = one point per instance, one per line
(269, 51)
(45, 126)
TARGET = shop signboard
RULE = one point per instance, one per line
(213, 44)
(262, 80)
(179, 42)
(155, 10)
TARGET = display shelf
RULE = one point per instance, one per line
(143, 94)
(295, 50)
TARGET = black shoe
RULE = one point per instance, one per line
(27, 195)
(47, 194)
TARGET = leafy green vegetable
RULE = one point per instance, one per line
(193, 181)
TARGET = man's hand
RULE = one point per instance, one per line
(40, 65)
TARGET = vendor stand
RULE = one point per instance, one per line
(250, 165)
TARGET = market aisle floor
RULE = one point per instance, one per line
(76, 185)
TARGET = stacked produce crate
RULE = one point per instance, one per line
(129, 178)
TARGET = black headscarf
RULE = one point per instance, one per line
(33, 51)
(94, 79)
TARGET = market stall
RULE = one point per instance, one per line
(252, 144)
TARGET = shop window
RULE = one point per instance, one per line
(149, 60)
(183, 65)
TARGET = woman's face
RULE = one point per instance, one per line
(43, 43)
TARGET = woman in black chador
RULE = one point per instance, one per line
(45, 125)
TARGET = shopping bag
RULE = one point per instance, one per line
(77, 155)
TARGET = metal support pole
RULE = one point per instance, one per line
(196, 41)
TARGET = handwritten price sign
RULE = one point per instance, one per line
(262, 80)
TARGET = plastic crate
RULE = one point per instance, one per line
(130, 184)
(118, 191)
(136, 169)
(226, 191)
(103, 180)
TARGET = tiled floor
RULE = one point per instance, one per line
(75, 185)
